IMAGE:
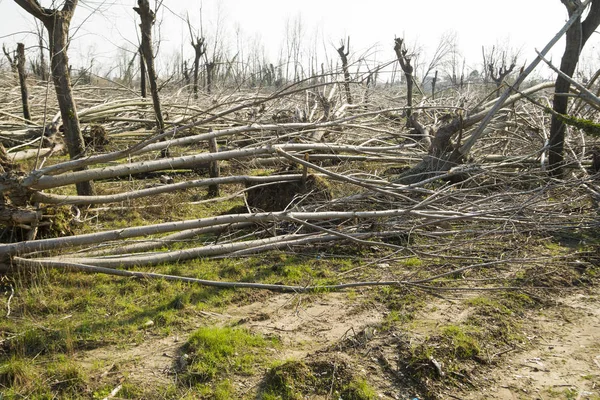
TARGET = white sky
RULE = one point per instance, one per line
(525, 24)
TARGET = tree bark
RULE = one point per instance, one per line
(23, 80)
(199, 46)
(142, 74)
(210, 66)
(57, 23)
(199, 50)
(213, 168)
(404, 60)
(147, 18)
(576, 37)
(344, 56)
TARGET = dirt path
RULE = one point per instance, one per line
(303, 323)
(306, 324)
(564, 361)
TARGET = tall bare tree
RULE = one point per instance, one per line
(496, 63)
(443, 50)
(576, 37)
(12, 58)
(199, 45)
(57, 22)
(147, 17)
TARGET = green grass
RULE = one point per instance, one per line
(488, 305)
(218, 351)
(17, 372)
(213, 355)
(465, 345)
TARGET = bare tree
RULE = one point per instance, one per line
(212, 61)
(443, 50)
(404, 59)
(57, 23)
(23, 80)
(199, 45)
(576, 37)
(454, 63)
(42, 68)
(344, 51)
(294, 32)
(147, 17)
(12, 58)
(496, 65)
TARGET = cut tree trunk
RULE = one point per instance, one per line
(213, 168)
(443, 154)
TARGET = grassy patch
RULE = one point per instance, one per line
(463, 342)
(67, 377)
(401, 303)
(215, 352)
(16, 373)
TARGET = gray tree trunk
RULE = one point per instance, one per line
(576, 37)
(147, 18)
(57, 23)
(23, 80)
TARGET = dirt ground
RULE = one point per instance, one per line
(561, 358)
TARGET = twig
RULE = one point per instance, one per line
(114, 392)
(12, 293)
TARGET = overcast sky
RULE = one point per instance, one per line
(372, 25)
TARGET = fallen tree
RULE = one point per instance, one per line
(443, 153)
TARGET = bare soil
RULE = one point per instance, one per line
(560, 359)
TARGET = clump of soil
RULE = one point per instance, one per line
(286, 195)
